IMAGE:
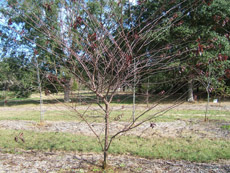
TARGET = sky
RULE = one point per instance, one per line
(133, 1)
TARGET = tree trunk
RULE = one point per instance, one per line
(66, 94)
(147, 93)
(207, 105)
(123, 88)
(139, 88)
(208, 94)
(190, 91)
(40, 91)
(67, 89)
(106, 135)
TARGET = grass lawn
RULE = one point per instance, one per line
(97, 116)
(191, 149)
(185, 148)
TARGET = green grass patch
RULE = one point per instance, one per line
(35, 115)
(226, 127)
(198, 150)
(191, 149)
(47, 141)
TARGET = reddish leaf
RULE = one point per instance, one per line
(77, 22)
(210, 90)
(128, 59)
(16, 139)
(168, 46)
(21, 137)
(200, 49)
(175, 15)
(92, 37)
(227, 73)
(227, 36)
(9, 22)
(75, 25)
(136, 36)
(201, 72)
(101, 24)
(162, 92)
(222, 57)
(172, 1)
(49, 8)
(217, 18)
(208, 2)
(93, 46)
(220, 79)
(22, 32)
(140, 2)
(212, 45)
(224, 23)
(119, 2)
(152, 125)
(35, 52)
(47, 42)
(180, 23)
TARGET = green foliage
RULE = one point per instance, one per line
(75, 85)
(203, 38)
(17, 75)
(208, 62)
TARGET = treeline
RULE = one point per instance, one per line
(185, 43)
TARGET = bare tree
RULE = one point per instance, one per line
(109, 50)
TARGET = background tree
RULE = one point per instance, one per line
(208, 46)
(17, 72)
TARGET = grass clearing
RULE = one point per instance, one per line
(191, 149)
(178, 148)
(226, 127)
(35, 115)
(117, 115)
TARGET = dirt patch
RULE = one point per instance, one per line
(30, 161)
(178, 128)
